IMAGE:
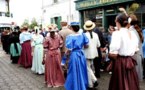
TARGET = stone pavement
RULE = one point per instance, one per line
(13, 77)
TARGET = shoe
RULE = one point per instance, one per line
(55, 86)
(101, 70)
(110, 73)
(96, 84)
(49, 86)
(89, 88)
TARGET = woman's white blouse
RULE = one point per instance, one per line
(24, 36)
(123, 42)
(133, 30)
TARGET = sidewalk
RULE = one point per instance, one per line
(13, 77)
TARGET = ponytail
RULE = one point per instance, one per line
(139, 32)
(91, 34)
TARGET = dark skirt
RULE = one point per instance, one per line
(14, 59)
(26, 57)
(124, 76)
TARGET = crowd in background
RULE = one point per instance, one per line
(74, 58)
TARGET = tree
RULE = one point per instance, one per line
(25, 23)
(33, 23)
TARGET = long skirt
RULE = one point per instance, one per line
(26, 57)
(77, 77)
(15, 51)
(139, 66)
(53, 71)
(37, 66)
(124, 75)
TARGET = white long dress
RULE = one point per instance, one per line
(37, 43)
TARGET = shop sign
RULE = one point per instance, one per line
(92, 3)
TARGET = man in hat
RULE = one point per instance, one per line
(91, 52)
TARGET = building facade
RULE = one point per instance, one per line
(54, 11)
(5, 15)
(105, 11)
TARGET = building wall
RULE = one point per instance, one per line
(63, 8)
(3, 6)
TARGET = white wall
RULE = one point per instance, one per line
(3, 6)
(63, 8)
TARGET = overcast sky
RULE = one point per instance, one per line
(25, 9)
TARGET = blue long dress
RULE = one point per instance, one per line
(143, 45)
(77, 78)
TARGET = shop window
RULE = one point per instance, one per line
(94, 14)
(140, 17)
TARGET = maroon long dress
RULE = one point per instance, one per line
(26, 57)
(124, 76)
(53, 71)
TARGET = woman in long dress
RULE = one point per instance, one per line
(53, 71)
(25, 40)
(15, 48)
(37, 45)
(123, 46)
(77, 77)
(143, 48)
(138, 56)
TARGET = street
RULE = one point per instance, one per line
(14, 77)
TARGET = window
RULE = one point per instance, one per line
(94, 14)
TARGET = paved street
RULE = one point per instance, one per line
(13, 77)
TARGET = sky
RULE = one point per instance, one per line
(25, 9)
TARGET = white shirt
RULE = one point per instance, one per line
(133, 30)
(91, 52)
(122, 43)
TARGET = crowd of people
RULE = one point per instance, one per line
(73, 59)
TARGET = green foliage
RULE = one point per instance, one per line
(25, 23)
(33, 23)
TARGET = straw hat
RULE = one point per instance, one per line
(24, 27)
(53, 30)
(89, 25)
